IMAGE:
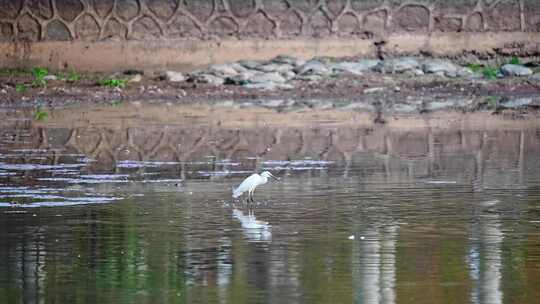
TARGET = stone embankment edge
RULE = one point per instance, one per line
(185, 55)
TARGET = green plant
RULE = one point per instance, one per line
(490, 72)
(41, 115)
(39, 76)
(20, 88)
(515, 60)
(492, 101)
(113, 83)
(115, 103)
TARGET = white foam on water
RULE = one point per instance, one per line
(31, 150)
(489, 203)
(24, 190)
(143, 164)
(294, 168)
(221, 173)
(57, 204)
(85, 160)
(63, 171)
(29, 167)
(32, 195)
(70, 201)
(160, 181)
(440, 182)
(219, 163)
(301, 162)
(104, 176)
(4, 173)
(83, 180)
(92, 199)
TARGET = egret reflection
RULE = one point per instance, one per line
(253, 229)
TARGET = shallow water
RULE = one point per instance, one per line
(142, 213)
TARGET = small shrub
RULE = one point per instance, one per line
(515, 60)
(39, 77)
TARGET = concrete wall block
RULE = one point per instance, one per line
(266, 19)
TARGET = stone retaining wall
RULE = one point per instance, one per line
(186, 33)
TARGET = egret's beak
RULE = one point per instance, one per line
(276, 178)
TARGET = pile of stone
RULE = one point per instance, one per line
(282, 71)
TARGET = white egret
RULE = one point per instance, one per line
(250, 183)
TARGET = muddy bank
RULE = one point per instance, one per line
(223, 117)
(406, 85)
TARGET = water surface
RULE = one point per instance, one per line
(138, 210)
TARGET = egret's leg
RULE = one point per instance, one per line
(252, 199)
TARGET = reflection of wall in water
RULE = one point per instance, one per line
(425, 151)
(490, 159)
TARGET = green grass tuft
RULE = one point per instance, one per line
(490, 72)
(113, 83)
(73, 76)
(41, 115)
(492, 101)
(20, 88)
(475, 67)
